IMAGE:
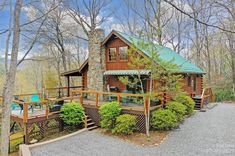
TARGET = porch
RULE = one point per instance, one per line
(46, 119)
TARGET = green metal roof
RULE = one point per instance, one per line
(126, 72)
(166, 54)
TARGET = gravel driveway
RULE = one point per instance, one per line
(210, 133)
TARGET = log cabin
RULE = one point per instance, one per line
(108, 60)
(99, 74)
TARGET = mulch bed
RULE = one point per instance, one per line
(156, 137)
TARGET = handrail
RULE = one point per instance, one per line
(42, 102)
(207, 92)
(119, 95)
(60, 90)
(113, 93)
(55, 88)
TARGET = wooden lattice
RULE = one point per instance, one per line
(93, 113)
(140, 120)
(38, 130)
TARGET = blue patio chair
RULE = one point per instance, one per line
(35, 98)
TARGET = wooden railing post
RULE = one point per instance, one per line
(97, 100)
(118, 99)
(47, 110)
(85, 121)
(81, 98)
(25, 113)
(146, 105)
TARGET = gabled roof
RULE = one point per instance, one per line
(164, 53)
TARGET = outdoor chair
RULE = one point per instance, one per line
(55, 107)
(22, 107)
(36, 98)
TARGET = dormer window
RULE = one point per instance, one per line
(123, 53)
(112, 54)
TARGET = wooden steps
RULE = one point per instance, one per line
(197, 101)
(90, 124)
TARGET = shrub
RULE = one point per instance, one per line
(187, 101)
(223, 94)
(109, 112)
(163, 119)
(125, 124)
(72, 113)
(177, 108)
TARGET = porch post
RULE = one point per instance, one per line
(68, 86)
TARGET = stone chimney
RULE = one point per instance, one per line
(96, 60)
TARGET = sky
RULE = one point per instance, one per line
(5, 15)
(116, 10)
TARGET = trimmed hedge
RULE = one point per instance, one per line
(177, 108)
(163, 119)
(109, 112)
(72, 113)
(187, 101)
(125, 124)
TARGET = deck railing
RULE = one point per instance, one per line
(207, 94)
(45, 103)
(59, 91)
(100, 97)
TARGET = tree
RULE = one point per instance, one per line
(8, 38)
(10, 81)
(229, 22)
(161, 71)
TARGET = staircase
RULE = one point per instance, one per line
(197, 101)
(89, 124)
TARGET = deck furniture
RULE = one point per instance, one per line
(22, 107)
(56, 106)
(36, 98)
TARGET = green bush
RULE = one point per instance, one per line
(177, 108)
(72, 113)
(125, 124)
(187, 101)
(109, 112)
(223, 94)
(163, 119)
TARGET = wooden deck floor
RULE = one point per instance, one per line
(34, 113)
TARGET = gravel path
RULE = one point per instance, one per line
(210, 133)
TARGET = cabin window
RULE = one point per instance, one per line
(112, 54)
(123, 53)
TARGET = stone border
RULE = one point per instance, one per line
(24, 150)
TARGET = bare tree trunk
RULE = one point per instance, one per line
(158, 18)
(231, 49)
(10, 81)
(8, 38)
